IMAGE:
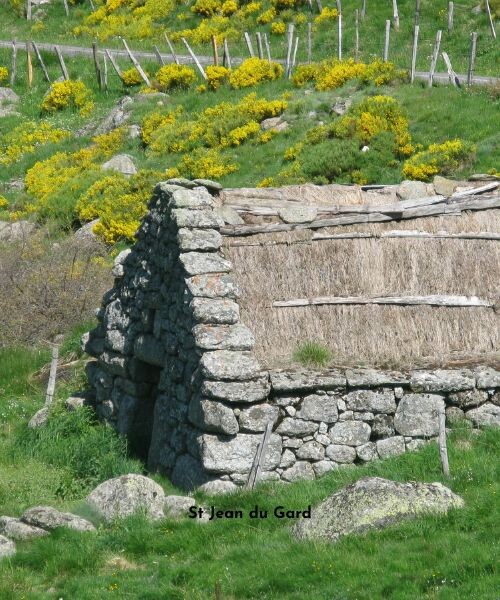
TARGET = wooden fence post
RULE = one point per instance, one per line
(249, 44)
(395, 14)
(387, 38)
(260, 50)
(195, 59)
(443, 451)
(227, 57)
(215, 50)
(339, 21)
(14, 63)
(98, 74)
(114, 64)
(51, 386)
(435, 56)
(451, 10)
(356, 40)
(451, 73)
(417, 12)
(62, 64)
(414, 53)
(28, 11)
(158, 55)
(472, 58)
(136, 64)
(309, 42)
(29, 64)
(105, 79)
(268, 48)
(492, 26)
(171, 48)
(363, 10)
(66, 7)
(40, 60)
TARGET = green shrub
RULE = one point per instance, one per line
(332, 159)
(312, 354)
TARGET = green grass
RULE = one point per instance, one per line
(312, 354)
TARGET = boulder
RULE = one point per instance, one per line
(340, 453)
(17, 530)
(86, 232)
(7, 547)
(212, 186)
(298, 214)
(391, 446)
(123, 496)
(300, 470)
(39, 418)
(47, 517)
(486, 415)
(367, 452)
(274, 124)
(443, 186)
(350, 433)
(311, 451)
(177, 506)
(411, 190)
(17, 230)
(374, 503)
(417, 415)
(341, 106)
(8, 96)
(218, 486)
(122, 163)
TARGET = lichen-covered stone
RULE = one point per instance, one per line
(367, 452)
(311, 451)
(382, 426)
(441, 381)
(212, 415)
(368, 400)
(350, 433)
(468, 399)
(319, 408)
(197, 198)
(222, 454)
(199, 239)
(215, 311)
(177, 506)
(200, 263)
(17, 530)
(196, 219)
(374, 378)
(391, 446)
(296, 427)
(223, 364)
(300, 470)
(256, 418)
(374, 503)
(341, 453)
(487, 378)
(7, 547)
(417, 415)
(223, 337)
(213, 286)
(235, 391)
(47, 517)
(486, 415)
(283, 381)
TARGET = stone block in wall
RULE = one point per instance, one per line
(92, 342)
(311, 451)
(442, 381)
(372, 401)
(221, 454)
(213, 416)
(256, 418)
(487, 378)
(227, 365)
(301, 470)
(287, 459)
(319, 408)
(188, 473)
(193, 199)
(417, 415)
(115, 363)
(322, 467)
(383, 426)
(367, 452)
(374, 378)
(296, 427)
(223, 337)
(196, 219)
(213, 286)
(363, 416)
(234, 391)
(468, 399)
(391, 446)
(201, 263)
(340, 453)
(454, 414)
(350, 433)
(199, 239)
(486, 415)
(215, 311)
(148, 349)
(115, 316)
(287, 381)
(495, 398)
(415, 445)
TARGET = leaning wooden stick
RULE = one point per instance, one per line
(492, 26)
(443, 450)
(414, 53)
(29, 64)
(195, 59)
(105, 76)
(435, 56)
(158, 55)
(472, 58)
(136, 64)
(171, 48)
(268, 48)
(451, 73)
(215, 51)
(294, 58)
(114, 64)
(249, 44)
(66, 7)
(40, 60)
(14, 63)
(62, 64)
(51, 387)
(260, 49)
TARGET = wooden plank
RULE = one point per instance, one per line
(171, 48)
(472, 58)
(195, 59)
(435, 56)
(62, 64)
(260, 457)
(40, 60)
(490, 18)
(451, 73)
(410, 234)
(29, 64)
(435, 300)
(113, 63)
(489, 187)
(387, 39)
(158, 55)
(249, 44)
(414, 53)
(294, 57)
(136, 64)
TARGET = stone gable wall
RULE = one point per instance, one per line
(175, 373)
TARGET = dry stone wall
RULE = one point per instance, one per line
(175, 373)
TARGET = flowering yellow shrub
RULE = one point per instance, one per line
(267, 16)
(305, 73)
(253, 71)
(439, 158)
(175, 76)
(372, 116)
(278, 28)
(3, 202)
(131, 77)
(216, 76)
(119, 204)
(4, 74)
(153, 122)
(206, 8)
(205, 163)
(25, 138)
(327, 14)
(73, 94)
(109, 143)
(239, 134)
(218, 26)
(229, 7)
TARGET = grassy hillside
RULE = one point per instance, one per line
(435, 557)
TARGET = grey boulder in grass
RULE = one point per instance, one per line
(47, 517)
(7, 547)
(374, 503)
(123, 496)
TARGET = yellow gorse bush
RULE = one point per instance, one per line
(253, 71)
(3, 202)
(4, 74)
(439, 158)
(68, 94)
(153, 122)
(131, 77)
(175, 76)
(216, 76)
(327, 14)
(26, 138)
(278, 28)
(206, 163)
